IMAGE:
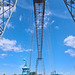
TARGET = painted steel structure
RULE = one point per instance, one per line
(70, 4)
(39, 10)
(6, 9)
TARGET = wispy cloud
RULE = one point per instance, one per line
(9, 25)
(1, 73)
(48, 13)
(21, 66)
(52, 21)
(20, 18)
(29, 6)
(56, 27)
(0, 20)
(6, 14)
(67, 73)
(47, 18)
(25, 4)
(71, 52)
(3, 55)
(29, 30)
(60, 15)
(11, 45)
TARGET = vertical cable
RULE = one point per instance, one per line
(9, 7)
(3, 15)
(31, 44)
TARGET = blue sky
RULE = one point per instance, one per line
(58, 45)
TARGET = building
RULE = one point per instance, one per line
(25, 70)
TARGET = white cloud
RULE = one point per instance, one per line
(1, 73)
(5, 64)
(70, 41)
(29, 30)
(21, 66)
(47, 18)
(65, 12)
(20, 18)
(46, 1)
(25, 4)
(9, 25)
(45, 25)
(71, 52)
(14, 9)
(62, 73)
(48, 13)
(11, 55)
(57, 27)
(3, 55)
(52, 21)
(65, 73)
(11, 45)
(0, 20)
(62, 15)
(6, 14)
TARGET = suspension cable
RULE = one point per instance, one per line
(31, 44)
(49, 51)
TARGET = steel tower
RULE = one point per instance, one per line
(39, 10)
(6, 9)
(70, 4)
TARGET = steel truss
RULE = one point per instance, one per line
(6, 9)
(70, 4)
(39, 10)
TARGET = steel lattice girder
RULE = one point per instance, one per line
(6, 9)
(39, 7)
(70, 4)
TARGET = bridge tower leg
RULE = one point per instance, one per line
(39, 10)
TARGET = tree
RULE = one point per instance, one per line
(33, 73)
(19, 74)
(15, 74)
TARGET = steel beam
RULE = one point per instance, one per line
(39, 10)
(70, 4)
(6, 9)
